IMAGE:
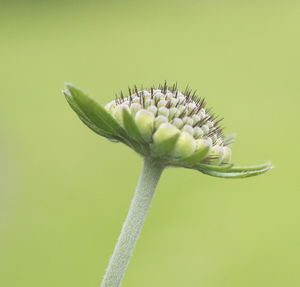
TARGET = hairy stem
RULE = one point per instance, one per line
(133, 224)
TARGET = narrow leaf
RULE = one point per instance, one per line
(251, 168)
(235, 174)
(196, 156)
(221, 168)
(131, 128)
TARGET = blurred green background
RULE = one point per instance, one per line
(64, 191)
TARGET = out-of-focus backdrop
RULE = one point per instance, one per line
(64, 191)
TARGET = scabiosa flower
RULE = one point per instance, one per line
(173, 128)
(167, 128)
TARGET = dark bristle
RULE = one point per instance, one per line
(165, 88)
(212, 132)
(183, 113)
(210, 118)
(116, 99)
(187, 94)
(210, 158)
(155, 101)
(130, 100)
(202, 103)
(187, 88)
(228, 142)
(190, 96)
(214, 117)
(193, 111)
(203, 121)
(173, 88)
(168, 105)
(194, 97)
(143, 98)
(218, 121)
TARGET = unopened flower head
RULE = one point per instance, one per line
(173, 128)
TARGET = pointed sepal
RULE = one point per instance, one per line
(93, 114)
(252, 168)
(235, 172)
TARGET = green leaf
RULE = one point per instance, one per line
(196, 156)
(229, 174)
(131, 128)
(84, 118)
(223, 167)
(251, 168)
(94, 114)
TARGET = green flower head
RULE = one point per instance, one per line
(173, 128)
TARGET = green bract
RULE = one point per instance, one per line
(172, 128)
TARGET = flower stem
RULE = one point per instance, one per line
(133, 224)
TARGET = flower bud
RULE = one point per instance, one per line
(159, 95)
(134, 108)
(210, 124)
(136, 99)
(202, 114)
(169, 96)
(144, 121)
(181, 109)
(147, 95)
(205, 129)
(174, 102)
(163, 138)
(196, 119)
(198, 132)
(177, 122)
(210, 141)
(216, 154)
(162, 103)
(188, 121)
(110, 107)
(201, 152)
(202, 144)
(172, 113)
(191, 106)
(163, 111)
(148, 103)
(159, 120)
(152, 109)
(226, 154)
(188, 129)
(185, 146)
(118, 114)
